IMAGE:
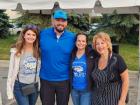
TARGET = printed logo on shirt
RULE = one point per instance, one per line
(29, 65)
(79, 71)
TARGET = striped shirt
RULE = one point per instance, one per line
(106, 92)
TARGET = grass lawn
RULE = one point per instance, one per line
(5, 45)
(130, 53)
(127, 51)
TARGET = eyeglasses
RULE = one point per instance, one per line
(32, 27)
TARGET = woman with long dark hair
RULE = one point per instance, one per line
(82, 63)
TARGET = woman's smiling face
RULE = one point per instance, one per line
(81, 42)
(101, 46)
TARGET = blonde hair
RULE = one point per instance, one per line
(21, 41)
(105, 37)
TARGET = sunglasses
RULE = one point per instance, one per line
(32, 27)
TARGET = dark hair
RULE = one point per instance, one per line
(86, 49)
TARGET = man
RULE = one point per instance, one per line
(56, 44)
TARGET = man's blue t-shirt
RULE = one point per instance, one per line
(79, 67)
(55, 54)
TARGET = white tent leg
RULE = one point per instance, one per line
(0, 99)
(138, 98)
(139, 40)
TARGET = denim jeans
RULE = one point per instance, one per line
(20, 98)
(81, 97)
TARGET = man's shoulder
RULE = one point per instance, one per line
(46, 30)
(70, 34)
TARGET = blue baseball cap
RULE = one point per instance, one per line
(60, 14)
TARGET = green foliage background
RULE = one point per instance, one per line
(4, 24)
(121, 27)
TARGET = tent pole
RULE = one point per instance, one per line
(138, 97)
(139, 43)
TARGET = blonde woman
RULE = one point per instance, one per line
(110, 74)
(24, 66)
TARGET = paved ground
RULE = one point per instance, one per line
(133, 89)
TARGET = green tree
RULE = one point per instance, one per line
(119, 26)
(77, 22)
(37, 19)
(4, 24)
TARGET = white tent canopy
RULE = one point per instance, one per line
(118, 3)
(8, 4)
(122, 7)
(45, 6)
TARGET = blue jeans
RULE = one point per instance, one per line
(20, 98)
(81, 97)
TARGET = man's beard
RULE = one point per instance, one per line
(59, 30)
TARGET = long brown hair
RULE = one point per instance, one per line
(21, 41)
